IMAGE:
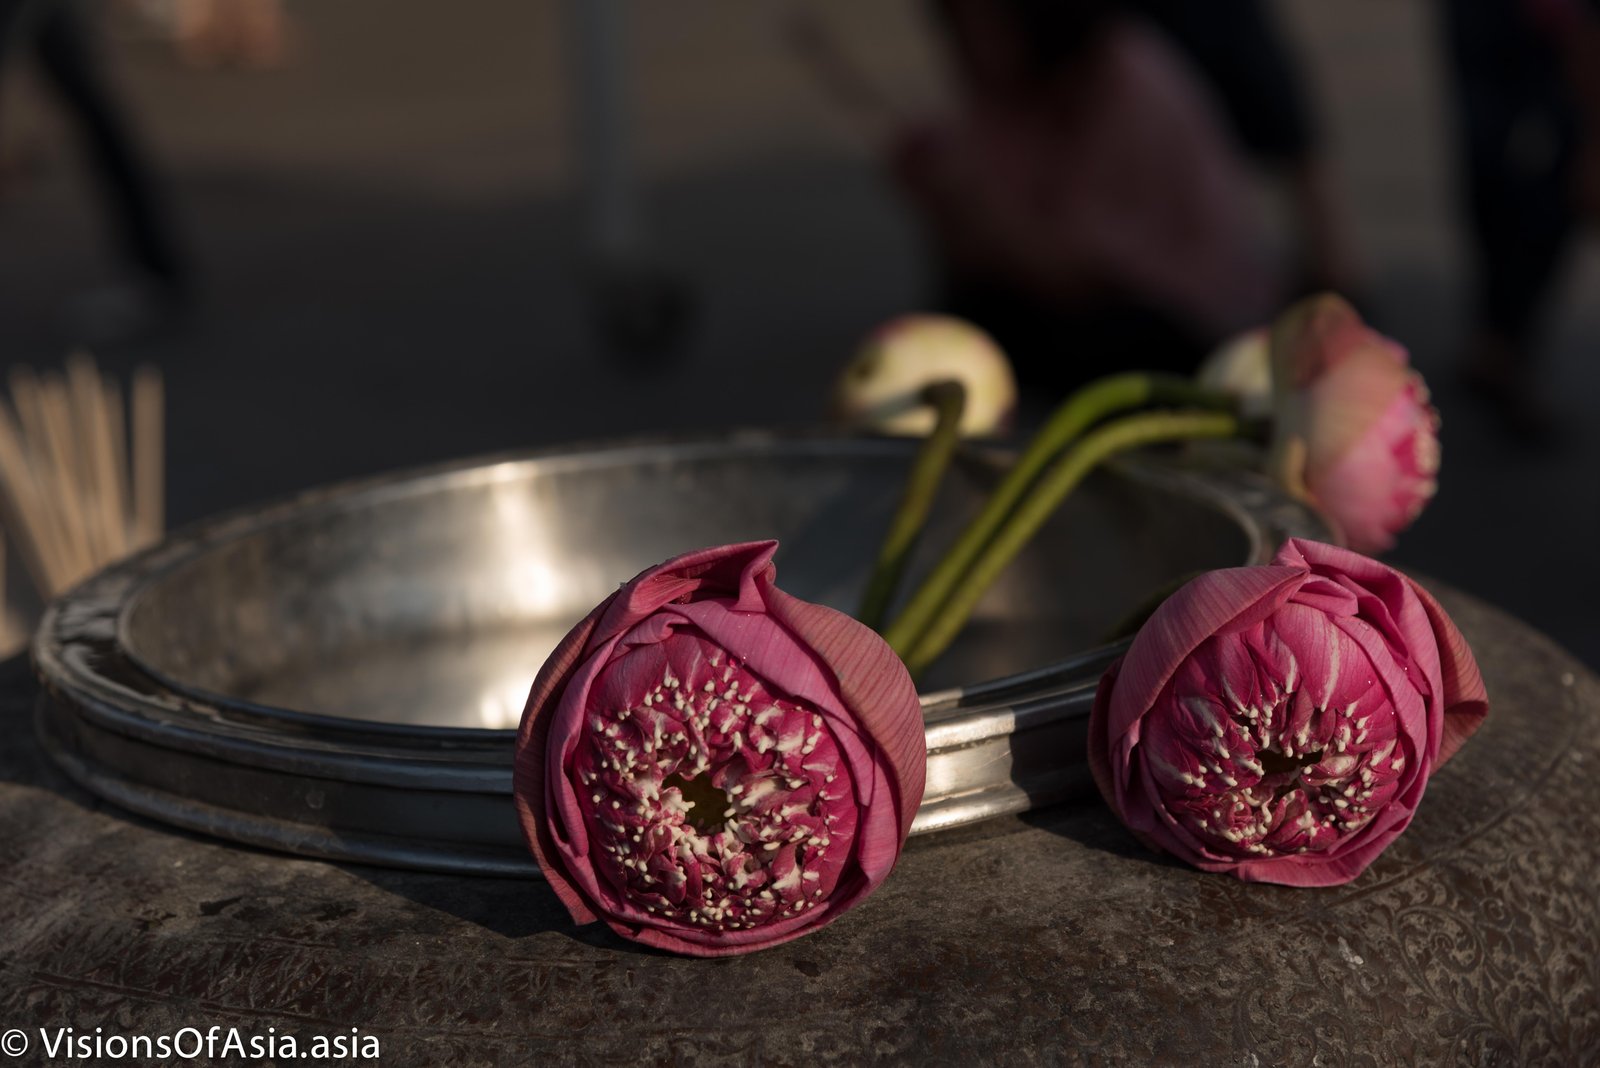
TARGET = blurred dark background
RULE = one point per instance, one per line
(386, 256)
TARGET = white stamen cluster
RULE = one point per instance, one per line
(1281, 773)
(712, 801)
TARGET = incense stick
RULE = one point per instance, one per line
(75, 494)
(149, 490)
(83, 389)
(36, 459)
(121, 476)
(25, 516)
(65, 486)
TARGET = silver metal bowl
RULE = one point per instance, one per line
(341, 675)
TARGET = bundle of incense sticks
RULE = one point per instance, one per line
(81, 481)
(13, 635)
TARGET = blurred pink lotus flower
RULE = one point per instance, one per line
(1354, 432)
(712, 766)
(1280, 723)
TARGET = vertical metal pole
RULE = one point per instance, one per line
(605, 164)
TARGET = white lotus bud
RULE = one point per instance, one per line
(1242, 367)
(881, 388)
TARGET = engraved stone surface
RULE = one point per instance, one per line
(1049, 938)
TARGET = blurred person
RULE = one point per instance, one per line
(253, 34)
(1081, 198)
(1240, 49)
(157, 276)
(1575, 25)
(1518, 131)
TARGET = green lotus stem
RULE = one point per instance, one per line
(1086, 407)
(949, 401)
(1127, 433)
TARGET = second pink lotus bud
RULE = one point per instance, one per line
(1280, 723)
(1355, 432)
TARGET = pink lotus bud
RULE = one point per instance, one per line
(712, 766)
(1355, 434)
(1280, 723)
(881, 388)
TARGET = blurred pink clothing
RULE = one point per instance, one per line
(1558, 16)
(1115, 181)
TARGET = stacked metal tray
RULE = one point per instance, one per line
(341, 675)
